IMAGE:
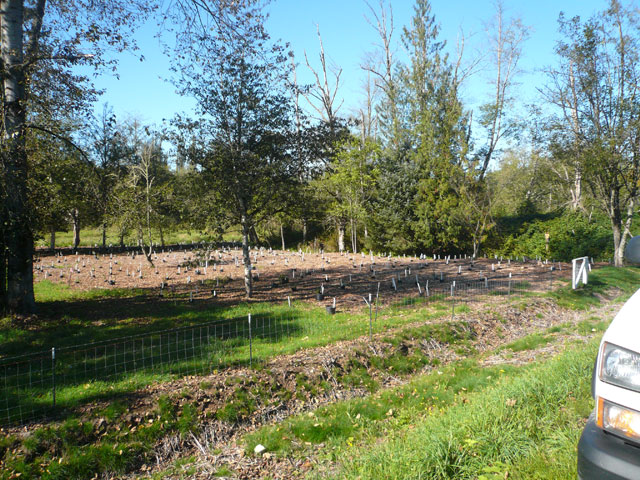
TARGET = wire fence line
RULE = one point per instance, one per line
(42, 385)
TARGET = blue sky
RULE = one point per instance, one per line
(142, 89)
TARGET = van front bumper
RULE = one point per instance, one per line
(602, 456)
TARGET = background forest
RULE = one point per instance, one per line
(269, 161)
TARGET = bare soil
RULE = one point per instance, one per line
(279, 275)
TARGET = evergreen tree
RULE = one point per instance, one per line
(438, 127)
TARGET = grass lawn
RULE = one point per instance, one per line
(466, 423)
(93, 236)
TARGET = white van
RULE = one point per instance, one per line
(609, 448)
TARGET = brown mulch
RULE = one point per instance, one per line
(282, 274)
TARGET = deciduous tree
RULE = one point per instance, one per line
(596, 93)
(239, 82)
(40, 41)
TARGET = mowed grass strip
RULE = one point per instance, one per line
(71, 317)
(524, 426)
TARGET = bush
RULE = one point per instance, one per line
(571, 235)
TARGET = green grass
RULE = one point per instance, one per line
(621, 282)
(93, 236)
(593, 325)
(347, 423)
(99, 373)
(103, 315)
(525, 425)
(530, 342)
(80, 450)
(46, 291)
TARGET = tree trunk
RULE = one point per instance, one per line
(354, 237)
(304, 231)
(341, 231)
(19, 237)
(161, 236)
(75, 217)
(104, 235)
(618, 245)
(621, 226)
(621, 230)
(149, 252)
(248, 278)
(52, 239)
(576, 192)
(282, 235)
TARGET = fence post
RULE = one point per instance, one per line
(453, 300)
(370, 320)
(250, 343)
(53, 374)
(377, 298)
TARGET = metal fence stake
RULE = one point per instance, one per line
(370, 320)
(377, 298)
(53, 374)
(250, 343)
(453, 300)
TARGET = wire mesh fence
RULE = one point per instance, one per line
(57, 380)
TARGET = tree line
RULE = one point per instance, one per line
(413, 170)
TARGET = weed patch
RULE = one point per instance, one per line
(530, 342)
(515, 424)
(81, 449)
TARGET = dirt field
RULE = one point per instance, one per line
(281, 274)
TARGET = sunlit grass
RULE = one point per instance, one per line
(91, 237)
(47, 291)
(620, 282)
(518, 427)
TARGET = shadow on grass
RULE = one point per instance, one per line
(94, 318)
(108, 369)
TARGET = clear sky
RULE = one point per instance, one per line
(142, 89)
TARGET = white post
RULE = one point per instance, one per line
(579, 271)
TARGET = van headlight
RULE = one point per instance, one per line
(620, 367)
(617, 419)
